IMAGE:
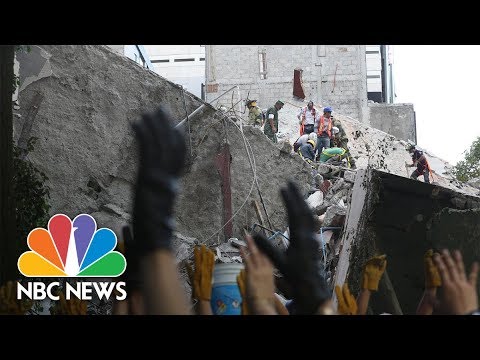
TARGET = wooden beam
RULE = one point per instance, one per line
(259, 216)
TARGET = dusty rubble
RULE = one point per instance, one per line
(83, 110)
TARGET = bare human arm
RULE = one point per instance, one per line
(363, 299)
(432, 282)
(459, 292)
(260, 284)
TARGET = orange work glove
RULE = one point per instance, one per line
(373, 271)
(432, 276)
(347, 305)
(242, 285)
(73, 306)
(9, 305)
(203, 275)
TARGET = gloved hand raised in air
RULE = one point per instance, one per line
(162, 158)
(432, 276)
(347, 305)
(201, 278)
(373, 271)
(300, 264)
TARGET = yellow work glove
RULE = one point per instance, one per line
(432, 276)
(203, 275)
(9, 303)
(373, 271)
(347, 305)
(73, 306)
(242, 285)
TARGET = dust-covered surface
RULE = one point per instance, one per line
(403, 219)
(370, 146)
(457, 229)
(201, 201)
(85, 142)
(86, 146)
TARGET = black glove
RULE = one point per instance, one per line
(132, 272)
(162, 158)
(301, 263)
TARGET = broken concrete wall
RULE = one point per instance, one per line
(403, 218)
(201, 202)
(333, 75)
(89, 97)
(395, 119)
(79, 101)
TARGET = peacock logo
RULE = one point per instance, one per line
(72, 249)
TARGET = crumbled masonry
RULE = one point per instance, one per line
(80, 101)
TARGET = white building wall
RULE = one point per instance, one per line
(182, 64)
(333, 75)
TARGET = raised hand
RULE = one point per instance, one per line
(301, 263)
(458, 292)
(162, 158)
(373, 271)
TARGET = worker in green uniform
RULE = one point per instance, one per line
(271, 122)
(255, 116)
(333, 155)
(340, 140)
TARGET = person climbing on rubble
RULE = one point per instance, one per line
(334, 156)
(420, 161)
(307, 151)
(271, 122)
(255, 116)
(303, 140)
(340, 140)
(308, 117)
(324, 132)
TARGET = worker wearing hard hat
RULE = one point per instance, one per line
(420, 161)
(255, 116)
(340, 140)
(307, 151)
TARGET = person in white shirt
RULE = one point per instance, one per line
(308, 118)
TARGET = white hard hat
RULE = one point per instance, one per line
(335, 130)
(312, 136)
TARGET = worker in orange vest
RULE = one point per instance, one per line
(420, 161)
(324, 132)
(307, 117)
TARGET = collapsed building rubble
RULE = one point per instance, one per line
(80, 101)
(403, 218)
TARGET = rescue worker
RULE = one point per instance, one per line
(324, 132)
(255, 116)
(303, 140)
(307, 151)
(420, 161)
(307, 117)
(340, 140)
(333, 155)
(271, 122)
